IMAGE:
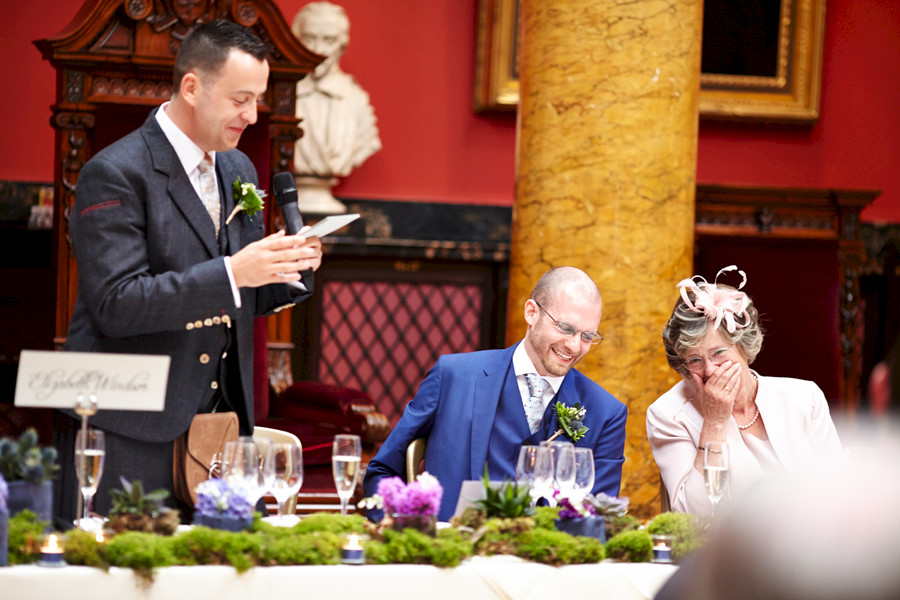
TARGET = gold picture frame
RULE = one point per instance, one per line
(789, 92)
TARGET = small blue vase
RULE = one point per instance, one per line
(223, 522)
(36, 497)
(594, 527)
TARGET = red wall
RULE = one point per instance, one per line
(416, 61)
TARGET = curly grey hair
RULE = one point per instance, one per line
(686, 329)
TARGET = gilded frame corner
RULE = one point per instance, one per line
(791, 95)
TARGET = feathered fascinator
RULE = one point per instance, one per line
(718, 303)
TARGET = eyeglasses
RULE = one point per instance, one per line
(591, 337)
(716, 357)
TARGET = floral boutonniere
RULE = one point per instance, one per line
(571, 421)
(247, 198)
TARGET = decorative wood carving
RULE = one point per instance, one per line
(119, 53)
(820, 214)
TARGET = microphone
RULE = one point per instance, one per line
(286, 196)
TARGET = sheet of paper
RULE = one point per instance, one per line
(329, 225)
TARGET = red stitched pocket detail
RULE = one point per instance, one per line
(107, 204)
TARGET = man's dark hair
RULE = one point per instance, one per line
(206, 49)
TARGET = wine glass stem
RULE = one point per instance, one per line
(344, 506)
(88, 500)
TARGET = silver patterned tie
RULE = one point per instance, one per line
(534, 405)
(209, 191)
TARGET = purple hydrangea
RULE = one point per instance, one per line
(420, 497)
(219, 497)
(4, 494)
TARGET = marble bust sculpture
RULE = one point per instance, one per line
(338, 123)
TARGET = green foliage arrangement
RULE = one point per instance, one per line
(317, 540)
(411, 546)
(25, 460)
(545, 517)
(558, 548)
(82, 548)
(204, 546)
(616, 525)
(631, 546)
(330, 522)
(25, 533)
(687, 530)
(142, 552)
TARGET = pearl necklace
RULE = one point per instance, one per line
(756, 416)
(750, 424)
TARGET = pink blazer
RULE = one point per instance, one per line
(797, 420)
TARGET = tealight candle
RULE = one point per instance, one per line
(662, 548)
(352, 552)
(52, 553)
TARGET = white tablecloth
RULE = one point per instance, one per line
(503, 577)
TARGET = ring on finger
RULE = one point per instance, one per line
(728, 389)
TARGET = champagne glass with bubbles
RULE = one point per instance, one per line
(715, 471)
(90, 453)
(345, 458)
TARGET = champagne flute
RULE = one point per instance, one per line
(584, 473)
(565, 470)
(266, 465)
(345, 458)
(715, 471)
(543, 472)
(287, 463)
(90, 453)
(525, 470)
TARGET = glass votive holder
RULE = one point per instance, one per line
(51, 552)
(662, 548)
(353, 553)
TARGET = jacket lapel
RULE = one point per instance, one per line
(179, 187)
(486, 396)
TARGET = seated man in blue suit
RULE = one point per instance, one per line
(476, 408)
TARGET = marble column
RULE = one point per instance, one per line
(605, 177)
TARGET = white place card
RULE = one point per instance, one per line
(120, 381)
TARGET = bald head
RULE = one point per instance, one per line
(568, 279)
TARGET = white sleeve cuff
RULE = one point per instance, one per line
(234, 288)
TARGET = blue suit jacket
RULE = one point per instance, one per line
(454, 409)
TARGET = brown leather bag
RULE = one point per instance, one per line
(197, 450)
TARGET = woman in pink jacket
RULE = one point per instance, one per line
(769, 423)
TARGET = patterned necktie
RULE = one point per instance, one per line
(209, 191)
(534, 405)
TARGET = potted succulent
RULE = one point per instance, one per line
(588, 517)
(28, 470)
(133, 510)
(223, 504)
